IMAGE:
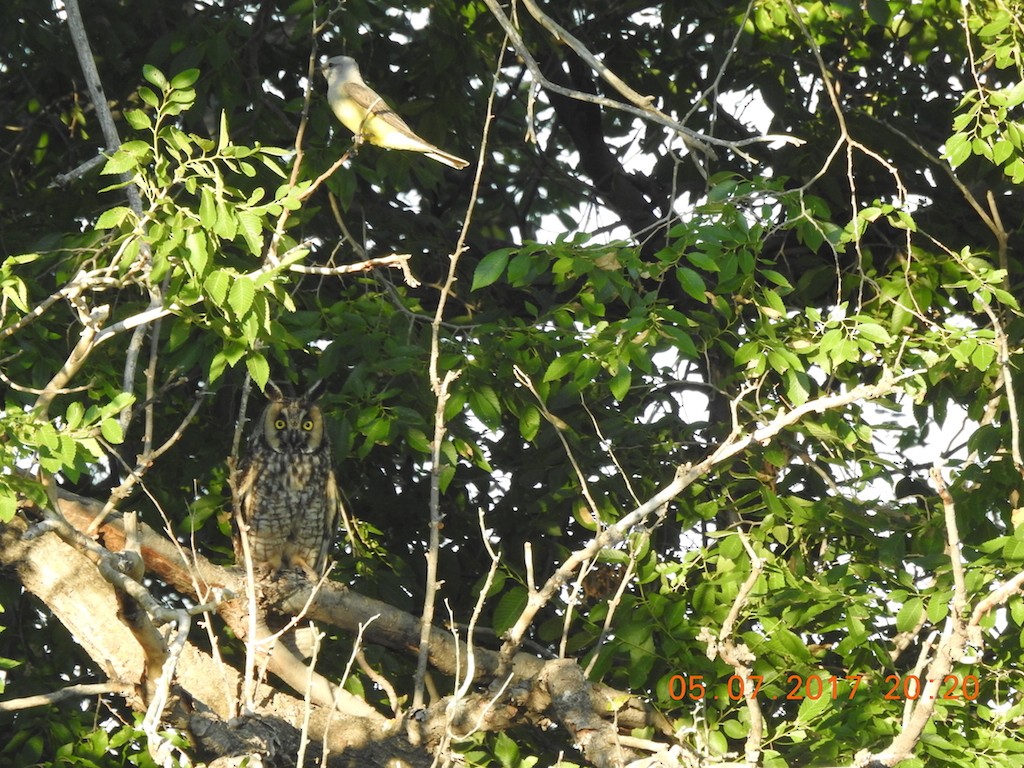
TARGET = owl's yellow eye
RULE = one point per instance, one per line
(280, 424)
(307, 425)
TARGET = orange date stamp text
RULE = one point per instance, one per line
(799, 687)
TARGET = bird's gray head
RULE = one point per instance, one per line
(341, 68)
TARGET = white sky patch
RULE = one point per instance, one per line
(748, 107)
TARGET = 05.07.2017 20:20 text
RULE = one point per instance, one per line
(798, 687)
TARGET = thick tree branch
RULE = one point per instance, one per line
(333, 604)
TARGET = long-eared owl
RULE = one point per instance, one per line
(287, 493)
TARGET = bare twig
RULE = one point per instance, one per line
(63, 179)
(955, 636)
(686, 474)
(441, 386)
(248, 678)
(739, 657)
(560, 427)
(86, 342)
(442, 392)
(145, 461)
(71, 692)
(99, 99)
(952, 542)
(613, 604)
(646, 111)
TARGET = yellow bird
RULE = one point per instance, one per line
(367, 115)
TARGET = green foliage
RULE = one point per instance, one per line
(733, 290)
(198, 242)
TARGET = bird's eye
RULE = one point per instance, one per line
(307, 425)
(280, 424)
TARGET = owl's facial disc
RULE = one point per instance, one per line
(293, 426)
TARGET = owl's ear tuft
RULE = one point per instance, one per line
(273, 392)
(315, 390)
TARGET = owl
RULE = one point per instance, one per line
(285, 487)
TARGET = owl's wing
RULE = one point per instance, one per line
(332, 516)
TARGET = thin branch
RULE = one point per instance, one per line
(956, 561)
(399, 260)
(145, 461)
(99, 100)
(739, 656)
(1003, 349)
(148, 315)
(86, 343)
(562, 36)
(63, 179)
(462, 689)
(442, 391)
(685, 475)
(560, 427)
(71, 692)
(691, 138)
(248, 678)
(441, 387)
(613, 604)
(307, 98)
(951, 646)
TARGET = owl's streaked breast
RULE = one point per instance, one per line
(287, 492)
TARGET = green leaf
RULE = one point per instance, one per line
(198, 255)
(619, 385)
(507, 751)
(811, 708)
(874, 332)
(417, 440)
(207, 208)
(529, 423)
(138, 119)
(702, 261)
(113, 217)
(692, 283)
(490, 268)
(561, 366)
(154, 76)
(67, 449)
(747, 352)
(797, 386)
(777, 278)
(909, 614)
(225, 225)
(1013, 550)
(73, 415)
(8, 503)
(121, 162)
(241, 295)
(938, 607)
(773, 302)
(509, 608)
(217, 284)
(223, 137)
(958, 149)
(184, 79)
(259, 369)
(148, 97)
(983, 357)
(251, 227)
(111, 431)
(486, 406)
(1001, 151)
(119, 402)
(789, 644)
